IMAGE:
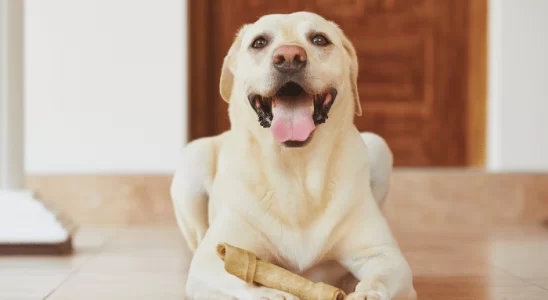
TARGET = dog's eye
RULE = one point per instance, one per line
(259, 43)
(320, 40)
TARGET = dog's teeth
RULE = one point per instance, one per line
(312, 107)
(273, 103)
(328, 99)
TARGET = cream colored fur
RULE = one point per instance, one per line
(313, 210)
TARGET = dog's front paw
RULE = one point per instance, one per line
(263, 293)
(369, 295)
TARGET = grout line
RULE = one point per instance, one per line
(523, 280)
(505, 271)
(531, 283)
(539, 286)
(76, 270)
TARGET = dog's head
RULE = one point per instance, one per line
(292, 71)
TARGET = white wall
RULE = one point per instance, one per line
(518, 86)
(105, 85)
(106, 81)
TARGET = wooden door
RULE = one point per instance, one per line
(422, 70)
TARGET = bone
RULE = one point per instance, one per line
(246, 266)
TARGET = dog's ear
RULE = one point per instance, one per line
(353, 69)
(227, 76)
(353, 73)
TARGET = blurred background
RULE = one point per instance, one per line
(109, 87)
(98, 97)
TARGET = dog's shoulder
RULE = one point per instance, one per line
(198, 161)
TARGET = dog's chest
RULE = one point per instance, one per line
(299, 218)
(297, 214)
(307, 239)
(298, 250)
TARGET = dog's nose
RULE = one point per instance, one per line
(289, 59)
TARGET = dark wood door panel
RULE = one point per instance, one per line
(413, 55)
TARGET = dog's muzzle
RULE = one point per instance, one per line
(292, 113)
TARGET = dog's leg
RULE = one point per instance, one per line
(373, 256)
(380, 164)
(189, 189)
(207, 277)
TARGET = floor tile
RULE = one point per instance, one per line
(448, 262)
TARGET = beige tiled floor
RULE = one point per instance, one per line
(149, 263)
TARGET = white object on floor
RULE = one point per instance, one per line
(25, 220)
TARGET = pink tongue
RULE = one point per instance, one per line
(292, 120)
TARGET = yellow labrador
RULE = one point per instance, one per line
(293, 180)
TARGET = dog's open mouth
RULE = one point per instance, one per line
(292, 113)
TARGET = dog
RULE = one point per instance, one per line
(293, 180)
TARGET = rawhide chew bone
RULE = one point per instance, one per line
(246, 266)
